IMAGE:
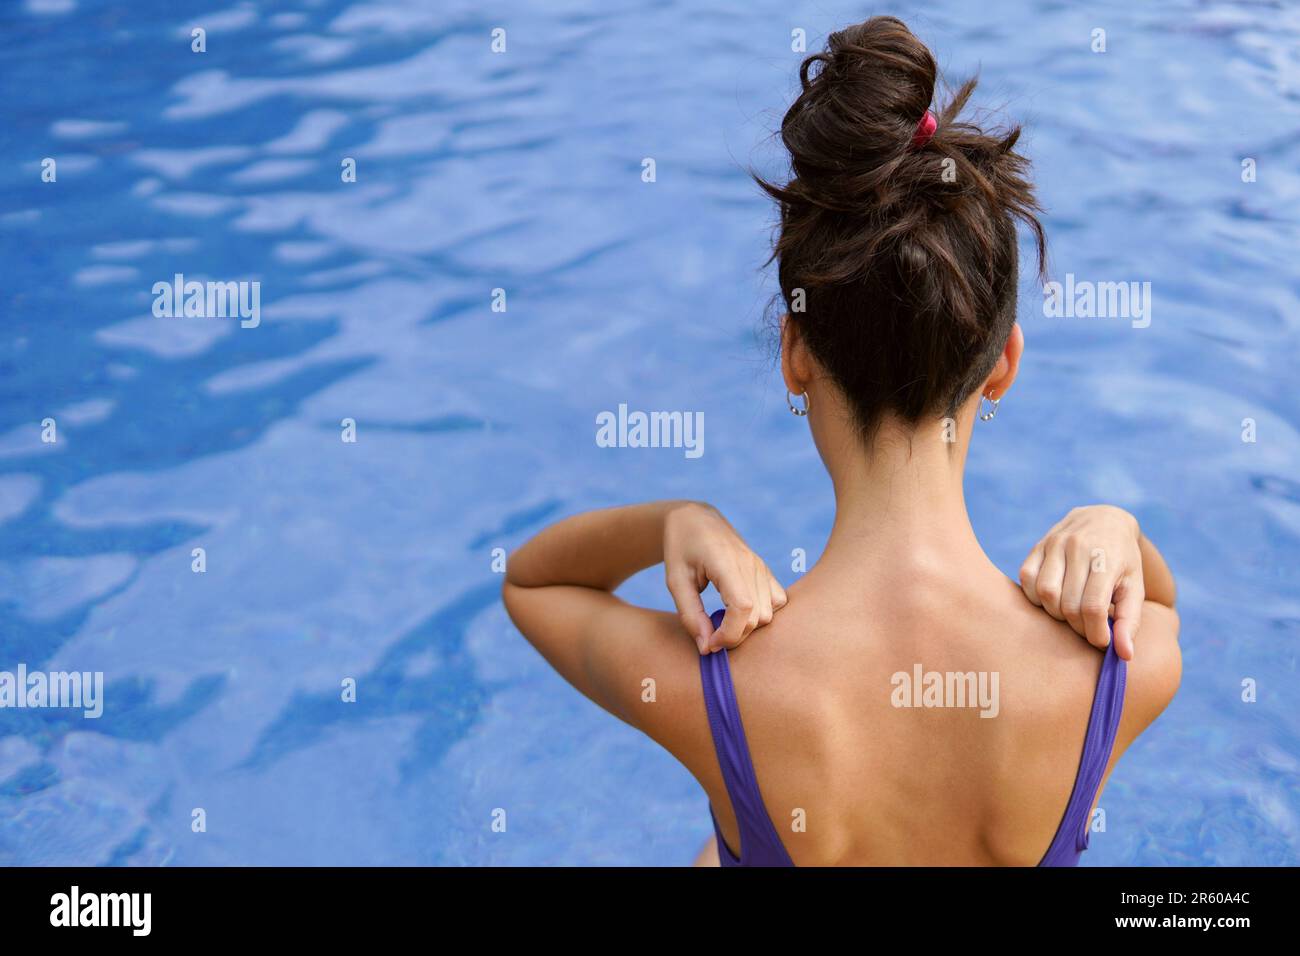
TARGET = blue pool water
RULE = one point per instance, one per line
(522, 171)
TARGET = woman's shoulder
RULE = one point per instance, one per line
(1067, 669)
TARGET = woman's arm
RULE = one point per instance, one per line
(602, 549)
(596, 549)
(632, 661)
(1095, 559)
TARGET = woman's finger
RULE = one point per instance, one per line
(1129, 597)
(754, 621)
(1078, 568)
(1029, 574)
(690, 609)
(1051, 578)
(737, 593)
(1096, 607)
(762, 595)
(779, 599)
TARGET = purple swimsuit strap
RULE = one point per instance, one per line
(760, 845)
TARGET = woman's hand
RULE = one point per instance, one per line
(1090, 561)
(701, 548)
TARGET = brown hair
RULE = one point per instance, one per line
(908, 280)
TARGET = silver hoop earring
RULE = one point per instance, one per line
(795, 409)
(993, 408)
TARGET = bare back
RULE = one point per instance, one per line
(858, 767)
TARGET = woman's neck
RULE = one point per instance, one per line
(900, 505)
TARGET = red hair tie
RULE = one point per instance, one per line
(924, 130)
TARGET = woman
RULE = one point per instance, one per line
(904, 702)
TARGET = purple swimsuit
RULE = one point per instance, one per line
(760, 844)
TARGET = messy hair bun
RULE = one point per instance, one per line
(905, 254)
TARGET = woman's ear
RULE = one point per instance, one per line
(796, 368)
(1004, 372)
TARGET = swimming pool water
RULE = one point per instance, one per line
(522, 171)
